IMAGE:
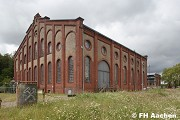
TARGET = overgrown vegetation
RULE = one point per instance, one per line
(172, 76)
(100, 106)
(6, 69)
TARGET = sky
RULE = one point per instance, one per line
(149, 27)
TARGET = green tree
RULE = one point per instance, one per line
(6, 68)
(172, 75)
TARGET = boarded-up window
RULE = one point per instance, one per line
(87, 69)
(49, 72)
(58, 71)
(116, 74)
(42, 73)
(70, 69)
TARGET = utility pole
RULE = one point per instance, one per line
(149, 69)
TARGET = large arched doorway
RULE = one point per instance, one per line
(103, 75)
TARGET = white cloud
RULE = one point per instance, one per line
(8, 48)
(149, 27)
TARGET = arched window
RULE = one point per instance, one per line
(132, 77)
(25, 59)
(125, 74)
(42, 74)
(138, 80)
(35, 50)
(49, 72)
(30, 53)
(49, 48)
(25, 75)
(58, 71)
(42, 47)
(116, 74)
(35, 73)
(87, 69)
(70, 69)
(29, 75)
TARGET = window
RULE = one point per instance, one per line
(116, 55)
(116, 74)
(132, 61)
(42, 47)
(132, 76)
(138, 76)
(125, 58)
(49, 72)
(35, 50)
(125, 74)
(35, 73)
(49, 48)
(137, 63)
(58, 71)
(20, 55)
(25, 75)
(35, 33)
(88, 44)
(29, 75)
(42, 73)
(70, 69)
(103, 50)
(87, 69)
(30, 53)
(25, 59)
(58, 46)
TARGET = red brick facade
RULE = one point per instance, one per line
(48, 41)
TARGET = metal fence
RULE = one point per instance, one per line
(8, 89)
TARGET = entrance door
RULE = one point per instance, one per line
(103, 75)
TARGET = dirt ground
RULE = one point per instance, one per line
(8, 104)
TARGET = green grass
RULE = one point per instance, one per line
(100, 106)
(7, 97)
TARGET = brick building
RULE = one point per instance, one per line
(153, 79)
(52, 53)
